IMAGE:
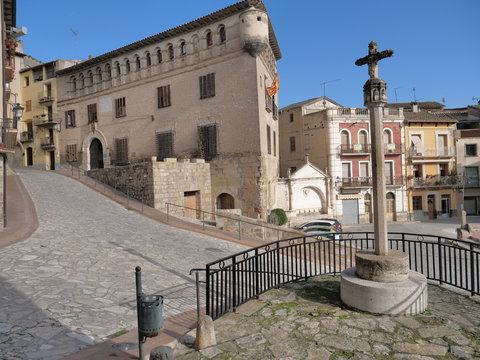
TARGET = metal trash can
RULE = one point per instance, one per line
(151, 315)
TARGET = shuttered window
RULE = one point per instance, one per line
(121, 151)
(207, 141)
(207, 86)
(163, 93)
(120, 107)
(71, 155)
(70, 118)
(92, 113)
(164, 145)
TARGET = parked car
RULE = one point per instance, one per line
(322, 222)
(326, 232)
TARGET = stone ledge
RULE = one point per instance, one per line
(382, 268)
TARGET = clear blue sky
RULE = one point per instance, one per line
(436, 42)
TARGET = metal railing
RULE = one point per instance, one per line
(436, 180)
(355, 148)
(361, 181)
(233, 280)
(47, 143)
(431, 152)
(205, 216)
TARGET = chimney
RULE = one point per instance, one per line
(415, 107)
(90, 57)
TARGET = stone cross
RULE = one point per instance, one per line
(373, 58)
(375, 96)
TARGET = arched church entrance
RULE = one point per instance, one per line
(225, 201)
(96, 154)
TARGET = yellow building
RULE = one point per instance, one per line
(431, 163)
(41, 122)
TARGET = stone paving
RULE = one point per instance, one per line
(72, 283)
(306, 320)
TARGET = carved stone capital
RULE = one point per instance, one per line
(375, 92)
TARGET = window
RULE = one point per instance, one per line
(92, 113)
(26, 81)
(471, 173)
(50, 71)
(89, 78)
(346, 173)
(387, 137)
(442, 144)
(81, 80)
(417, 202)
(164, 144)
(148, 59)
(119, 71)
(363, 139)
(470, 149)
(344, 140)
(138, 63)
(207, 86)
(306, 142)
(364, 170)
(274, 144)
(445, 204)
(127, 66)
(292, 143)
(388, 173)
(99, 75)
(291, 117)
(183, 48)
(223, 35)
(70, 118)
(121, 151)
(108, 72)
(171, 55)
(71, 154)
(159, 56)
(163, 94)
(269, 141)
(120, 107)
(208, 141)
(417, 171)
(28, 105)
(73, 82)
(209, 39)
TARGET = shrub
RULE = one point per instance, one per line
(277, 217)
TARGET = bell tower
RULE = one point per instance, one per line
(254, 31)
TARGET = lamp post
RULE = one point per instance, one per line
(17, 114)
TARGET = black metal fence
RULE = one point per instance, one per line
(233, 280)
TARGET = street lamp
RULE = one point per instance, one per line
(17, 114)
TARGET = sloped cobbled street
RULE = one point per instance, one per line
(72, 283)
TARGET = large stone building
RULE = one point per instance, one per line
(197, 90)
(336, 140)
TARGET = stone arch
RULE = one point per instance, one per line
(345, 139)
(222, 33)
(93, 137)
(311, 197)
(182, 44)
(387, 136)
(171, 51)
(225, 201)
(208, 38)
(195, 42)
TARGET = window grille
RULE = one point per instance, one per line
(70, 118)
(92, 113)
(71, 155)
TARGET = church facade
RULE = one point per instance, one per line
(198, 90)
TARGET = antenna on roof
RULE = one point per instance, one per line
(396, 97)
(323, 84)
(414, 95)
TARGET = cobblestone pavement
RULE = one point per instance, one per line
(306, 320)
(72, 283)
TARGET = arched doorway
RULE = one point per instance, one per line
(432, 211)
(29, 156)
(225, 201)
(391, 215)
(96, 154)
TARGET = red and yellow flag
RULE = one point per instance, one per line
(275, 87)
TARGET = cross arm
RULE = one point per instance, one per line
(372, 58)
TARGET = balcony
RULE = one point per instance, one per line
(355, 149)
(47, 143)
(423, 152)
(362, 181)
(47, 100)
(393, 149)
(436, 181)
(9, 137)
(26, 136)
(390, 113)
(45, 122)
(472, 181)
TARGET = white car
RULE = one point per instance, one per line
(322, 222)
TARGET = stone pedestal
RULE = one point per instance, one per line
(407, 297)
(384, 284)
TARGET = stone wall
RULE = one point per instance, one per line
(233, 221)
(158, 182)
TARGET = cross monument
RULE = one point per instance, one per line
(375, 97)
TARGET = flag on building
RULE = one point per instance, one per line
(275, 87)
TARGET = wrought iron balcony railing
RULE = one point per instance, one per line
(26, 136)
(431, 152)
(47, 143)
(366, 181)
(437, 181)
(356, 149)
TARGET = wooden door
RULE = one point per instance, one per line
(190, 203)
(431, 207)
(391, 215)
